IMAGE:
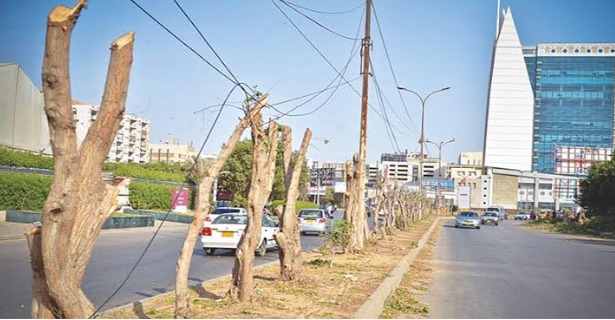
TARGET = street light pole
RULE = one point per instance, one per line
(422, 139)
(439, 146)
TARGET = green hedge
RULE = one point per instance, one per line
(145, 196)
(24, 159)
(298, 206)
(134, 170)
(23, 191)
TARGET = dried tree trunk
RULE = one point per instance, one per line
(203, 207)
(355, 212)
(289, 239)
(79, 201)
(261, 184)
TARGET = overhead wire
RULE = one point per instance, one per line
(325, 58)
(168, 211)
(387, 122)
(318, 23)
(386, 51)
(326, 12)
(353, 52)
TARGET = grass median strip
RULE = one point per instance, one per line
(325, 292)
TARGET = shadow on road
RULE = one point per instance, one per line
(206, 294)
(609, 243)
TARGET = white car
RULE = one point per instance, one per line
(223, 210)
(226, 230)
(313, 220)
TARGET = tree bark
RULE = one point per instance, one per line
(79, 201)
(261, 184)
(289, 239)
(356, 217)
(182, 267)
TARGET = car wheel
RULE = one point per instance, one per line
(497, 223)
(477, 227)
(456, 226)
(262, 249)
(209, 251)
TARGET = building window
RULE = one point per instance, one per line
(600, 50)
(576, 51)
(589, 50)
(565, 51)
(612, 50)
(552, 50)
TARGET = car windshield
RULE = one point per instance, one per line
(490, 214)
(468, 214)
(493, 209)
(231, 219)
(225, 210)
(310, 214)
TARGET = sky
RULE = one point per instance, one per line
(431, 44)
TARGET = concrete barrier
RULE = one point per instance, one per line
(374, 305)
(111, 223)
(171, 217)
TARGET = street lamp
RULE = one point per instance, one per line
(439, 146)
(422, 139)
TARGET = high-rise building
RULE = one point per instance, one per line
(550, 106)
(132, 138)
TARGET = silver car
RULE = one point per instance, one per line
(490, 217)
(313, 220)
(467, 219)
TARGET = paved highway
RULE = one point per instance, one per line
(114, 255)
(512, 272)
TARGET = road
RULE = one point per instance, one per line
(509, 271)
(115, 253)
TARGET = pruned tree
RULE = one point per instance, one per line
(289, 239)
(203, 207)
(265, 144)
(355, 207)
(79, 201)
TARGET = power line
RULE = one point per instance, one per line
(182, 41)
(353, 52)
(329, 87)
(325, 58)
(169, 211)
(318, 23)
(211, 47)
(383, 108)
(386, 51)
(326, 12)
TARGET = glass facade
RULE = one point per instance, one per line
(573, 104)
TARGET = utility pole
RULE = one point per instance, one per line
(363, 136)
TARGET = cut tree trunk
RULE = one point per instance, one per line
(182, 268)
(289, 239)
(79, 201)
(263, 170)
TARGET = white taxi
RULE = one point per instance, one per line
(225, 231)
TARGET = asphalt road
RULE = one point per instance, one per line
(509, 271)
(115, 253)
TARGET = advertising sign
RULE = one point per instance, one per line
(180, 200)
(463, 197)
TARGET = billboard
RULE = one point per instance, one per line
(322, 176)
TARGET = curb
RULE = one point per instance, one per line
(170, 293)
(373, 307)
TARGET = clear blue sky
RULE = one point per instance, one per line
(432, 44)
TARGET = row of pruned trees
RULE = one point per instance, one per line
(80, 202)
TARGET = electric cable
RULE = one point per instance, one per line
(326, 12)
(386, 51)
(318, 23)
(169, 211)
(383, 108)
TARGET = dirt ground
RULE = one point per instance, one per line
(325, 292)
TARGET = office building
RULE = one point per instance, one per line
(550, 106)
(171, 151)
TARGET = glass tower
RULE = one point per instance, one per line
(573, 87)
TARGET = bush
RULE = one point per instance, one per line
(24, 159)
(145, 196)
(23, 191)
(151, 172)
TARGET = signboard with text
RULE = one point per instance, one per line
(180, 200)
